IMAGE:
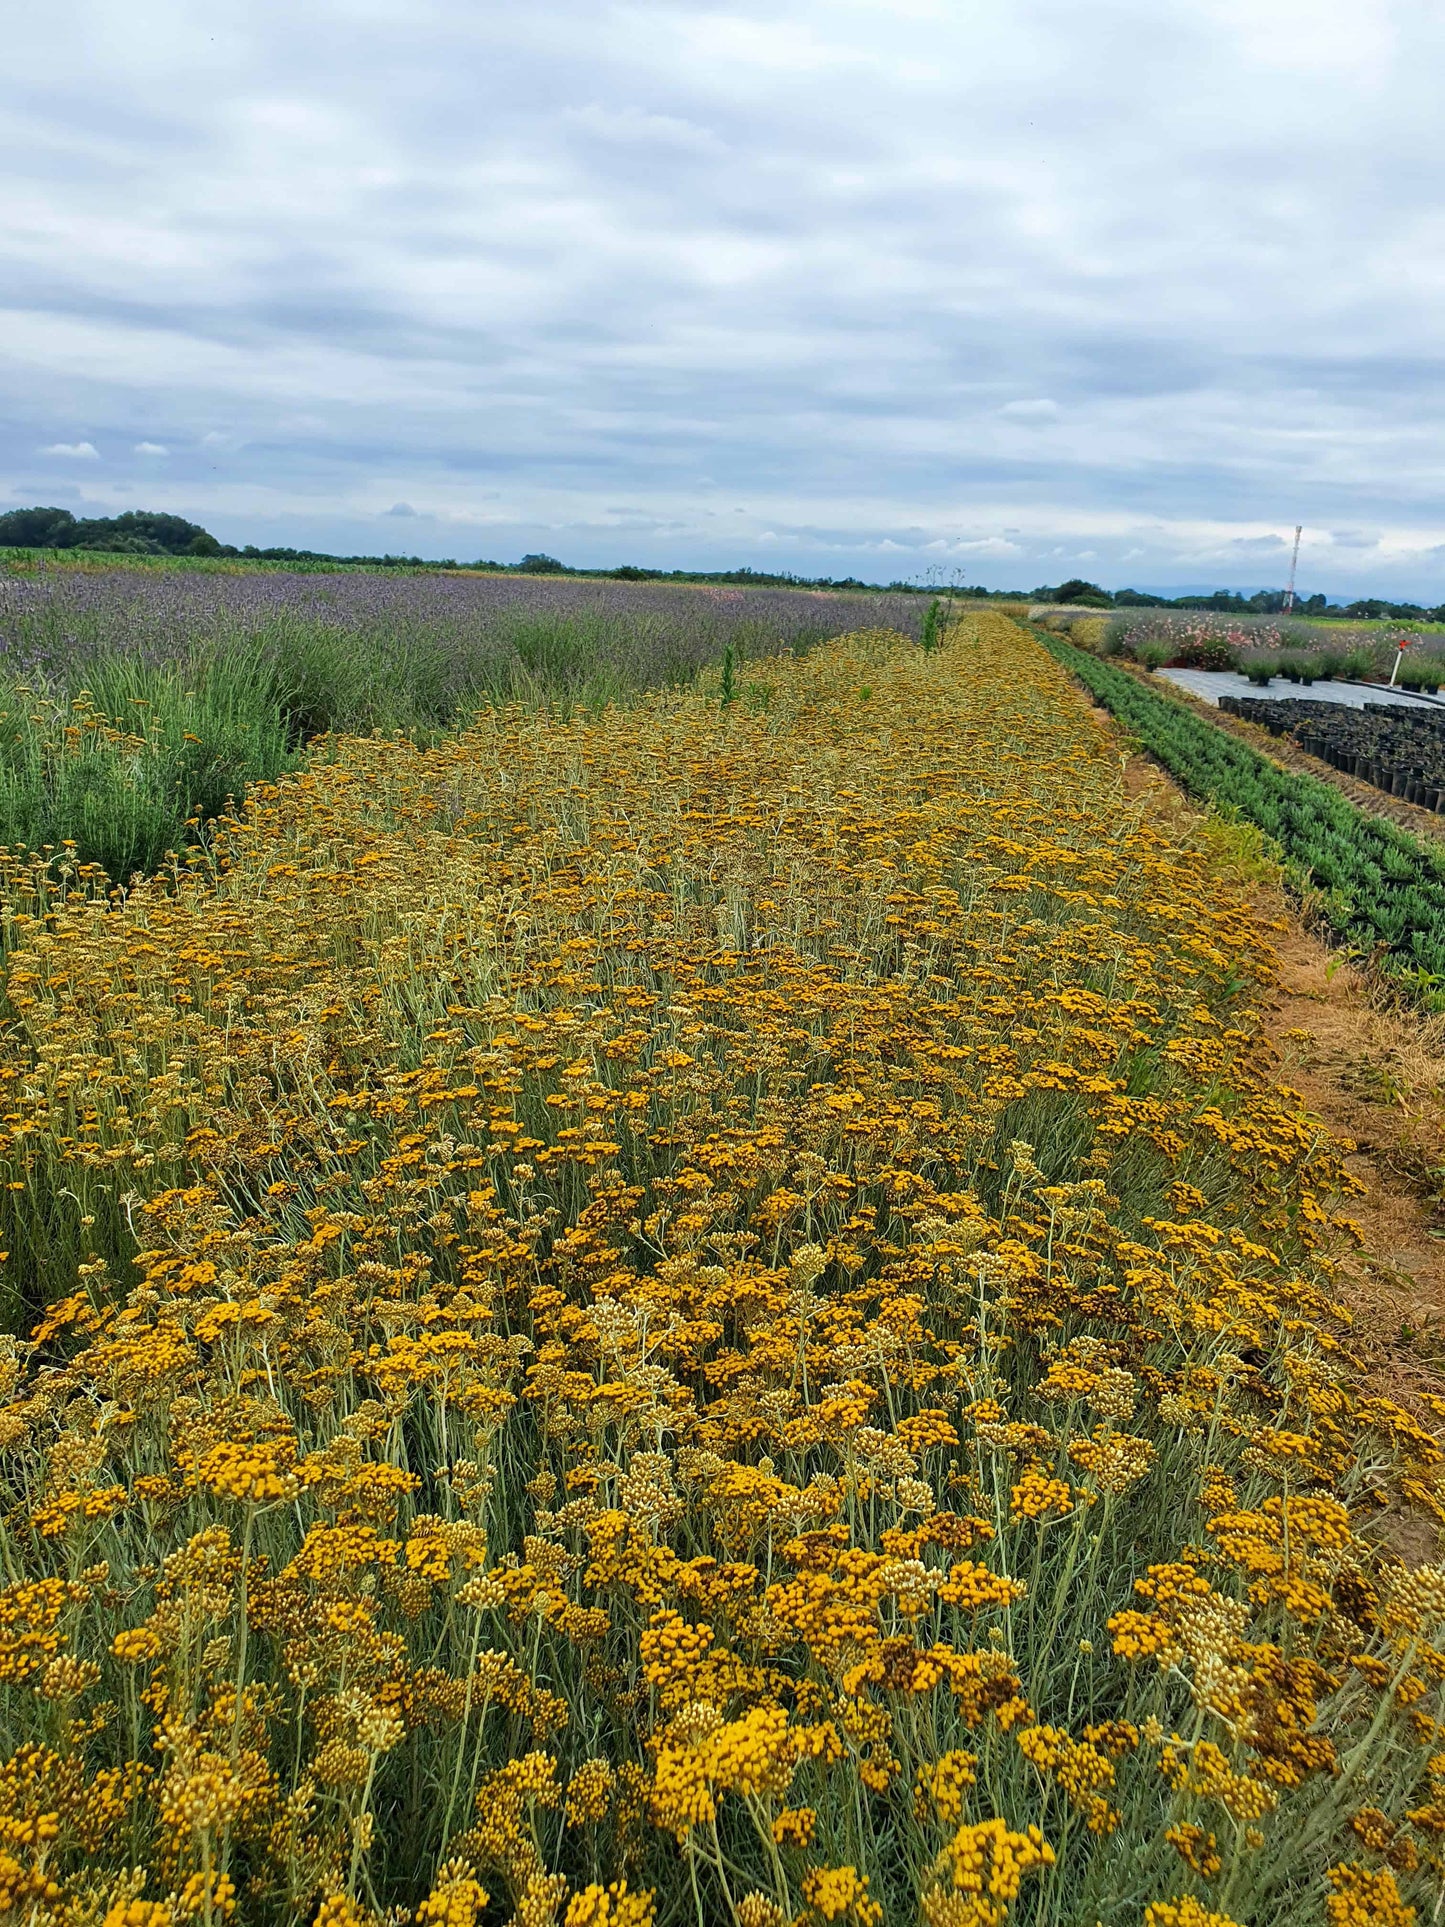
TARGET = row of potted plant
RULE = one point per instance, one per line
(1416, 668)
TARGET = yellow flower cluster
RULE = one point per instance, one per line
(840, 1893)
(611, 1906)
(1187, 1912)
(945, 1784)
(980, 1872)
(1364, 1899)
(711, 1310)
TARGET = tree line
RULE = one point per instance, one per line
(1265, 602)
(151, 532)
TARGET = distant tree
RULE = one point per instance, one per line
(629, 572)
(1138, 599)
(136, 532)
(37, 529)
(1225, 602)
(541, 565)
(1089, 594)
(171, 533)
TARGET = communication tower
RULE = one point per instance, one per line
(1293, 565)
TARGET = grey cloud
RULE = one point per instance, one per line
(648, 261)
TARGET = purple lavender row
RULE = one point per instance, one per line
(450, 637)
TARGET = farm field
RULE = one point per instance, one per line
(135, 701)
(706, 1312)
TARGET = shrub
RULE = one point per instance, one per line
(1085, 595)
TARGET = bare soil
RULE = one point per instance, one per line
(1375, 1075)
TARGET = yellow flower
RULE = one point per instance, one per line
(255, 1474)
(140, 1643)
(794, 1827)
(208, 1893)
(945, 1785)
(338, 1910)
(138, 1913)
(455, 1900)
(611, 1906)
(1365, 1899)
(840, 1893)
(1187, 1912)
(1035, 1496)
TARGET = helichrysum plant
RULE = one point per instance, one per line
(698, 1318)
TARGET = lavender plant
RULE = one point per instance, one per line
(231, 674)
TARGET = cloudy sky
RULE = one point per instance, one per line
(1013, 288)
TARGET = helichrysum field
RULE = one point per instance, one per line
(710, 1314)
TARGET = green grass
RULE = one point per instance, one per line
(132, 764)
(31, 561)
(128, 769)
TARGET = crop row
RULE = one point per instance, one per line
(704, 1316)
(134, 703)
(1399, 750)
(1380, 888)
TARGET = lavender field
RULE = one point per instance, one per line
(134, 704)
(430, 645)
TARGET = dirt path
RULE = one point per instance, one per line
(1375, 1076)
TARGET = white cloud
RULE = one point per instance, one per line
(994, 545)
(151, 448)
(833, 260)
(629, 126)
